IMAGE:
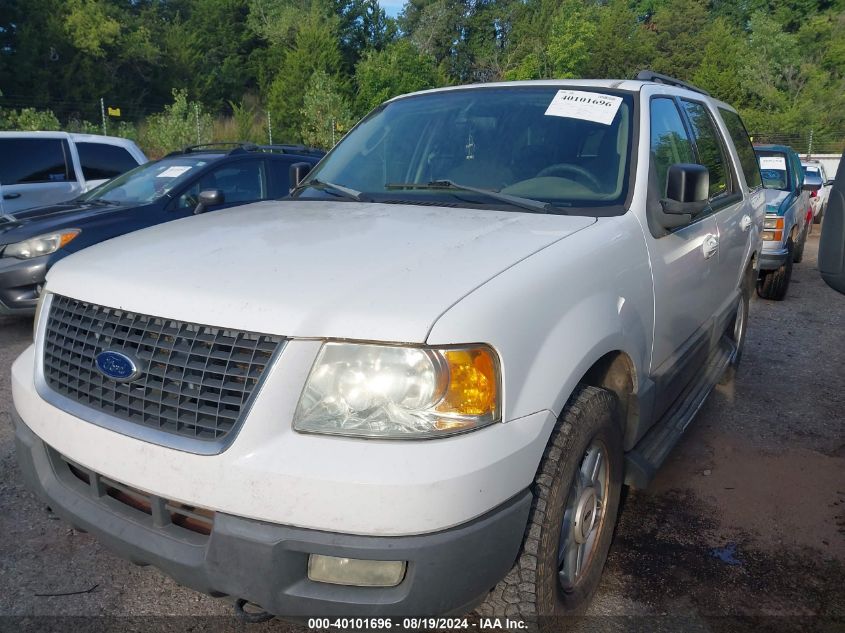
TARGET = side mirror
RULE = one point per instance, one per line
(297, 173)
(209, 198)
(812, 182)
(687, 191)
(832, 241)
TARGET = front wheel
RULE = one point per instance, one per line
(738, 325)
(773, 284)
(798, 255)
(576, 500)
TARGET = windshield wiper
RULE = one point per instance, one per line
(345, 192)
(525, 203)
(103, 202)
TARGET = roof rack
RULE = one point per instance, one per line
(650, 75)
(242, 148)
(289, 149)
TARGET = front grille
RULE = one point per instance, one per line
(195, 380)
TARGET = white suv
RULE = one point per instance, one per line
(418, 385)
(42, 168)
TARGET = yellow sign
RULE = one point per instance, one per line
(114, 111)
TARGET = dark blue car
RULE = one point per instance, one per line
(32, 241)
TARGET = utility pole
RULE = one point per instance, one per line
(197, 115)
(810, 145)
(269, 127)
(103, 115)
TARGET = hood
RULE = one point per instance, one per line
(31, 222)
(778, 201)
(310, 269)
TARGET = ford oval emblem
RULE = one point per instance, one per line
(116, 365)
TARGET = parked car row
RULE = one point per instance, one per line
(32, 241)
(820, 198)
(417, 384)
(789, 217)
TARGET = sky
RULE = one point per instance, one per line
(392, 7)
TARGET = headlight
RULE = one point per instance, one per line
(386, 391)
(40, 245)
(773, 223)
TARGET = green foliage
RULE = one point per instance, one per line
(28, 120)
(780, 62)
(182, 123)
(326, 115)
(89, 26)
(398, 69)
(313, 49)
(573, 36)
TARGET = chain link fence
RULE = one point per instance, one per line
(809, 142)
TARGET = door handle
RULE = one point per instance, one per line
(745, 222)
(710, 246)
(11, 196)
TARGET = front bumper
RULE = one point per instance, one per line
(19, 283)
(772, 259)
(448, 571)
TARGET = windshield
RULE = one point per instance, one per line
(773, 170)
(567, 148)
(147, 182)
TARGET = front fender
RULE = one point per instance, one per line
(553, 315)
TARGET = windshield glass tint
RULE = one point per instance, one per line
(501, 139)
(147, 182)
(773, 170)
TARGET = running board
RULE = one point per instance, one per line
(642, 462)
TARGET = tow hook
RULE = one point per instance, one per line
(255, 614)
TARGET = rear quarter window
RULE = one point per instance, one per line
(34, 160)
(744, 148)
(104, 162)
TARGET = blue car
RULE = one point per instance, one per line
(31, 241)
(789, 217)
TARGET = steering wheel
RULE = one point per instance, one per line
(563, 168)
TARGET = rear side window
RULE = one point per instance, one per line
(747, 158)
(670, 143)
(104, 162)
(709, 146)
(34, 160)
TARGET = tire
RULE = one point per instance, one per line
(738, 326)
(533, 587)
(773, 284)
(798, 255)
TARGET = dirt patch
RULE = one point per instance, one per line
(673, 554)
(794, 498)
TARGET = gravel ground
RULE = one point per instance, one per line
(745, 519)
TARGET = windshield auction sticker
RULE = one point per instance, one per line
(773, 162)
(587, 106)
(174, 172)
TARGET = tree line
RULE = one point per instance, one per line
(307, 69)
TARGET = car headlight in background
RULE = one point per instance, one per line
(773, 228)
(41, 244)
(386, 391)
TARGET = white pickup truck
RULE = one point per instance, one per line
(42, 168)
(417, 385)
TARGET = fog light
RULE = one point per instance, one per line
(355, 572)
